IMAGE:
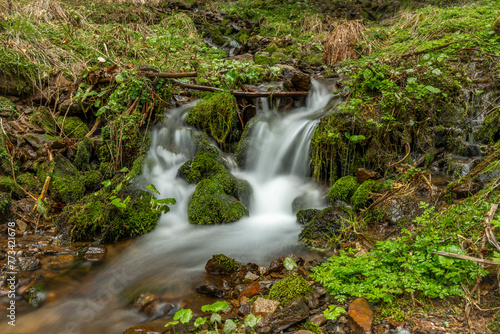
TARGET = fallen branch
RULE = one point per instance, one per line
(465, 257)
(168, 75)
(426, 50)
(241, 93)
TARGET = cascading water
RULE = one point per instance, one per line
(175, 253)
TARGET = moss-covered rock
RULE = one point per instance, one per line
(263, 58)
(496, 26)
(216, 115)
(83, 154)
(212, 205)
(204, 165)
(73, 126)
(306, 216)
(30, 182)
(66, 183)
(7, 185)
(326, 229)
(343, 189)
(5, 165)
(42, 117)
(221, 264)
(7, 108)
(95, 217)
(361, 198)
(272, 47)
(244, 143)
(5, 200)
(289, 288)
(92, 180)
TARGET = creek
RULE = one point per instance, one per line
(170, 260)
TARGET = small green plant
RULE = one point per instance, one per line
(251, 321)
(161, 205)
(183, 316)
(289, 263)
(333, 312)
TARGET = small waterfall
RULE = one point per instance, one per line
(174, 254)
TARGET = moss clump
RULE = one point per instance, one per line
(212, 205)
(8, 185)
(216, 115)
(30, 182)
(92, 180)
(73, 126)
(66, 183)
(263, 58)
(95, 217)
(17, 73)
(83, 154)
(289, 289)
(204, 165)
(7, 107)
(222, 264)
(496, 26)
(5, 200)
(306, 216)
(361, 197)
(5, 166)
(343, 189)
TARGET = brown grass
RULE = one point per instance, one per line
(341, 43)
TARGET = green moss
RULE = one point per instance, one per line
(263, 58)
(30, 182)
(343, 189)
(211, 205)
(289, 289)
(205, 164)
(17, 73)
(361, 197)
(66, 183)
(137, 167)
(6, 106)
(494, 325)
(225, 264)
(42, 117)
(272, 47)
(244, 143)
(496, 26)
(83, 154)
(92, 180)
(5, 165)
(5, 200)
(95, 217)
(8, 185)
(216, 115)
(73, 126)
(306, 216)
(326, 229)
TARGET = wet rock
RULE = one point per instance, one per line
(152, 305)
(295, 312)
(210, 288)
(245, 309)
(95, 254)
(301, 82)
(277, 265)
(28, 263)
(222, 265)
(318, 319)
(330, 222)
(250, 290)
(250, 277)
(365, 174)
(59, 262)
(360, 316)
(263, 306)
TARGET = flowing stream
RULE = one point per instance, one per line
(170, 260)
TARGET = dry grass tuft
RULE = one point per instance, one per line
(341, 43)
(47, 11)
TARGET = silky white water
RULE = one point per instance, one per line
(278, 171)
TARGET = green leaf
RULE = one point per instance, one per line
(433, 89)
(119, 78)
(184, 315)
(118, 188)
(229, 326)
(41, 207)
(124, 170)
(333, 312)
(251, 320)
(215, 318)
(200, 321)
(171, 323)
(106, 183)
(152, 188)
(215, 307)
(289, 263)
